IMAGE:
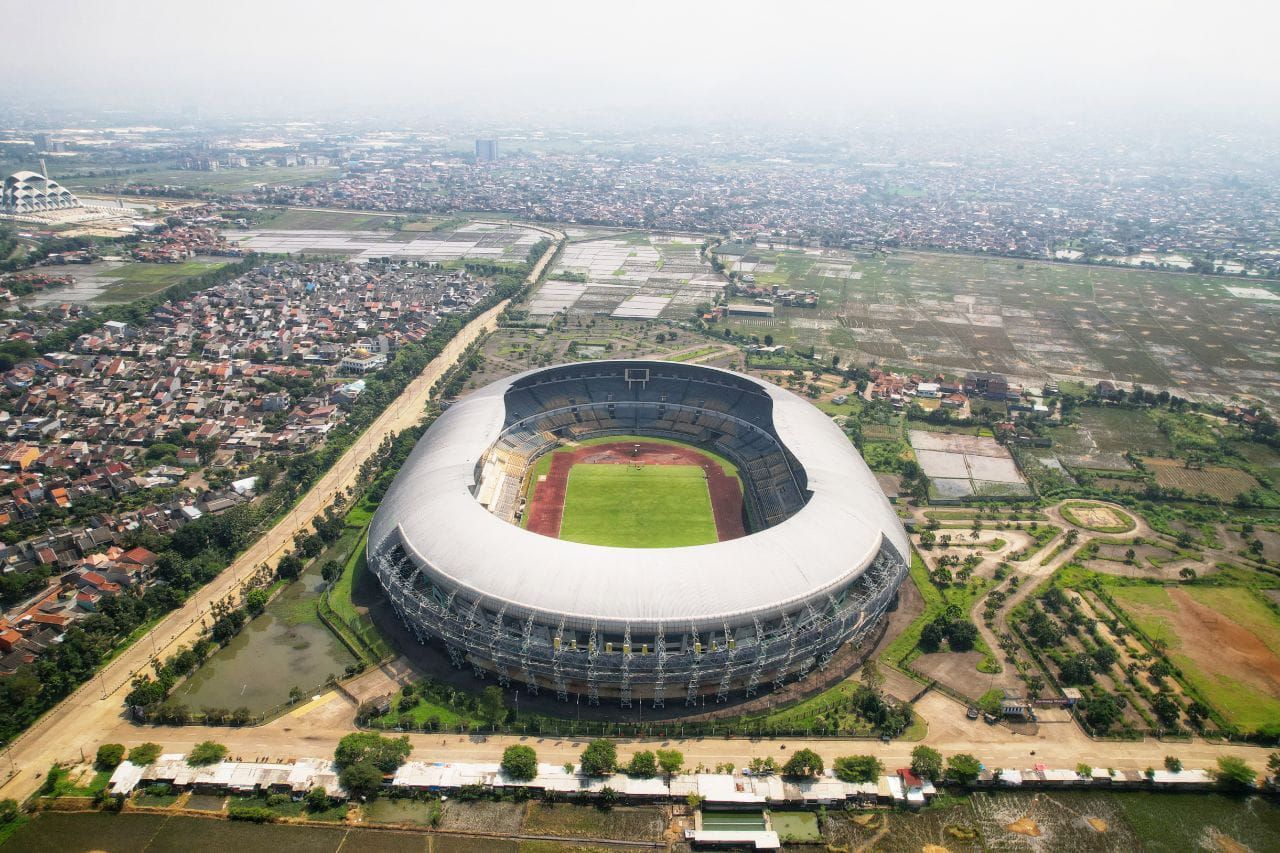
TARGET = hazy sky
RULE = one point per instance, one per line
(569, 60)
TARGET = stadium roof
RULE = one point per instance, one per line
(823, 546)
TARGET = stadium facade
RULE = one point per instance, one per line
(821, 566)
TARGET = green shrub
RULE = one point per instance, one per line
(109, 756)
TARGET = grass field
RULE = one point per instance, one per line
(227, 180)
(727, 466)
(1225, 640)
(137, 281)
(328, 220)
(657, 506)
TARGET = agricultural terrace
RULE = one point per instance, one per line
(955, 313)
(644, 493)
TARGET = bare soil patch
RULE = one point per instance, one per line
(959, 671)
(1220, 645)
(1025, 826)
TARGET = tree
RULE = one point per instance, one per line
(1233, 772)
(931, 636)
(206, 752)
(963, 768)
(1273, 764)
(256, 600)
(384, 753)
(289, 567)
(803, 762)
(599, 758)
(992, 701)
(9, 811)
(1077, 670)
(962, 635)
(109, 756)
(520, 762)
(362, 779)
(491, 706)
(1102, 710)
(1167, 709)
(317, 800)
(1173, 764)
(144, 754)
(871, 676)
(858, 768)
(1104, 656)
(643, 765)
(672, 760)
(926, 762)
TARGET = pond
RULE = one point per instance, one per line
(795, 826)
(285, 647)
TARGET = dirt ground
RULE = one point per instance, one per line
(1218, 644)
(959, 671)
(1098, 517)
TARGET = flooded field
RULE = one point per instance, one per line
(287, 646)
(1011, 822)
(997, 821)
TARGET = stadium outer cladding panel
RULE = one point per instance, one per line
(661, 624)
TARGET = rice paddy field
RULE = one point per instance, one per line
(1038, 320)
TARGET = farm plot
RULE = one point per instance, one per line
(629, 276)
(471, 240)
(965, 465)
(1216, 481)
(1224, 639)
(1027, 319)
(581, 821)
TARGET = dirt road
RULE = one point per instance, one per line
(80, 720)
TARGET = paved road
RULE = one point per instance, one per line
(79, 721)
(314, 729)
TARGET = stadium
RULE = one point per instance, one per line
(637, 530)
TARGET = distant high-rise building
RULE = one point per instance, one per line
(43, 142)
(486, 150)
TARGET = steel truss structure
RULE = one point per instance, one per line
(634, 660)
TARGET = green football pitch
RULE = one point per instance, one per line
(655, 506)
